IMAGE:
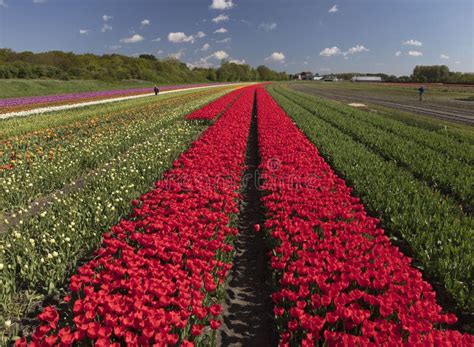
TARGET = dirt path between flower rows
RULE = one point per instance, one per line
(247, 311)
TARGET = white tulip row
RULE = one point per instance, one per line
(96, 102)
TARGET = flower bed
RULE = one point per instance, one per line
(213, 109)
(340, 280)
(155, 278)
(14, 104)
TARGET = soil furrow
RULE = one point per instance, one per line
(247, 315)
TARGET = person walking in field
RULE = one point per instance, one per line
(156, 90)
(421, 91)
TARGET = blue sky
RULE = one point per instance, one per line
(390, 36)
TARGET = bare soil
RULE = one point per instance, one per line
(248, 308)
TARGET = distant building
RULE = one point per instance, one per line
(305, 75)
(366, 79)
(330, 78)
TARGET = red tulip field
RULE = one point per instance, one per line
(239, 215)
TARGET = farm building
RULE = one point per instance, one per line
(366, 79)
(330, 78)
(306, 75)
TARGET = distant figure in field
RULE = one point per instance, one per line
(421, 91)
(156, 90)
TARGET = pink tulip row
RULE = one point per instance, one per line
(340, 281)
(155, 279)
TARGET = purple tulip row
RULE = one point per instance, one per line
(12, 102)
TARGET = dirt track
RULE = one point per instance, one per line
(448, 113)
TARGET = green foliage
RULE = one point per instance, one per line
(115, 67)
(440, 74)
(437, 169)
(437, 232)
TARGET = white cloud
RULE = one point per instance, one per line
(180, 37)
(200, 34)
(412, 43)
(84, 31)
(3, 4)
(145, 22)
(220, 18)
(132, 39)
(324, 69)
(237, 61)
(222, 4)
(114, 47)
(219, 55)
(177, 55)
(457, 62)
(205, 47)
(227, 39)
(444, 56)
(158, 39)
(220, 31)
(332, 51)
(333, 9)
(415, 53)
(276, 57)
(39, 1)
(356, 49)
(159, 52)
(106, 18)
(268, 26)
(397, 54)
(328, 52)
(106, 27)
(202, 63)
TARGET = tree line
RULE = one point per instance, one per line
(421, 74)
(116, 67)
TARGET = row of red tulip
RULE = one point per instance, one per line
(156, 277)
(339, 279)
(213, 109)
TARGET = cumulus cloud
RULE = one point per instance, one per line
(333, 9)
(39, 1)
(3, 4)
(145, 22)
(106, 27)
(180, 37)
(222, 4)
(332, 51)
(84, 31)
(237, 61)
(106, 18)
(415, 53)
(132, 39)
(356, 49)
(178, 55)
(412, 43)
(158, 39)
(227, 39)
(397, 54)
(219, 55)
(205, 47)
(114, 47)
(268, 26)
(220, 18)
(276, 57)
(220, 31)
(444, 56)
(200, 34)
(328, 52)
